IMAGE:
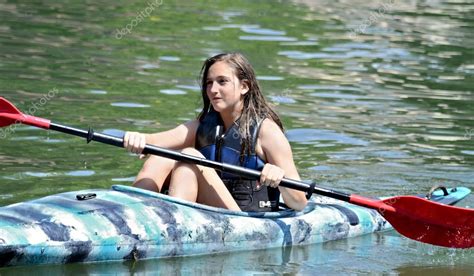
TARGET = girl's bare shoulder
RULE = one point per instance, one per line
(271, 135)
(271, 140)
(192, 124)
(270, 128)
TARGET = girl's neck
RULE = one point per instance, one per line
(228, 118)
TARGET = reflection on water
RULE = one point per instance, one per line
(376, 97)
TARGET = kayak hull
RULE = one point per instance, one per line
(127, 223)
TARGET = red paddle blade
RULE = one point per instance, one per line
(431, 222)
(8, 112)
(9, 115)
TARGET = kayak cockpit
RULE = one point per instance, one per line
(147, 195)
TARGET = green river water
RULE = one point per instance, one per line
(376, 97)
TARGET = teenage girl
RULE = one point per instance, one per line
(236, 126)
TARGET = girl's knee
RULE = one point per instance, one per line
(192, 151)
(153, 163)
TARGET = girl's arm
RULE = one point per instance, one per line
(180, 137)
(279, 156)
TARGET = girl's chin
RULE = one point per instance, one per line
(223, 107)
(218, 107)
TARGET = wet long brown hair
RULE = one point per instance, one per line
(255, 106)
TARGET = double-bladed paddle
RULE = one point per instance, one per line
(416, 218)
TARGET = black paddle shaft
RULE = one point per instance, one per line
(90, 135)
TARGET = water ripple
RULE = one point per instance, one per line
(311, 135)
(173, 92)
(262, 31)
(128, 104)
(266, 38)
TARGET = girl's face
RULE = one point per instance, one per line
(224, 89)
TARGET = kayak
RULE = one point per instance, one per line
(54, 239)
(127, 223)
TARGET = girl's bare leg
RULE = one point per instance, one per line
(155, 173)
(200, 184)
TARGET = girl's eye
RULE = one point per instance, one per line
(219, 81)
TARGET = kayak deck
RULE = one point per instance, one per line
(130, 223)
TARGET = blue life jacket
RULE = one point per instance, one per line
(226, 147)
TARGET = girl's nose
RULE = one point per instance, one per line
(212, 87)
